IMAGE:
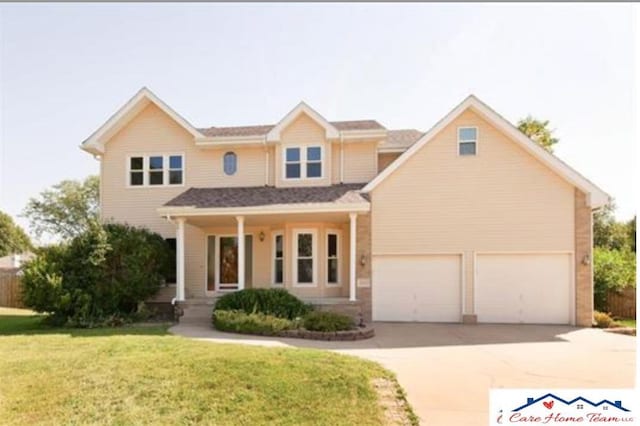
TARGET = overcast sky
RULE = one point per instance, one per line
(64, 69)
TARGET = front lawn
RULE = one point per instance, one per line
(145, 376)
(626, 323)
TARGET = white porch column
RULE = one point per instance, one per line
(352, 257)
(240, 220)
(180, 259)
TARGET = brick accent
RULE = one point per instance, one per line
(363, 249)
(583, 249)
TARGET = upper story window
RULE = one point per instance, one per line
(155, 170)
(230, 163)
(467, 140)
(303, 162)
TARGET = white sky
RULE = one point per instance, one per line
(64, 69)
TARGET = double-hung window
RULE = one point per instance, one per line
(333, 258)
(155, 170)
(467, 140)
(303, 162)
(305, 257)
(278, 258)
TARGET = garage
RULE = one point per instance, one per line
(524, 288)
(417, 288)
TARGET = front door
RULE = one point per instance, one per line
(222, 262)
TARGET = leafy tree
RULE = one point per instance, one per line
(538, 131)
(66, 210)
(100, 275)
(610, 234)
(631, 234)
(13, 239)
(613, 269)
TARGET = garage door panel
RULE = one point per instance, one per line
(416, 288)
(523, 288)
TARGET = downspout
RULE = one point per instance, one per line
(266, 166)
(341, 158)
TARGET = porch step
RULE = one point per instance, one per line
(197, 310)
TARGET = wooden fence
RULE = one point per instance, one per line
(622, 303)
(10, 289)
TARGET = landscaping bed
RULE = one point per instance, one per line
(275, 312)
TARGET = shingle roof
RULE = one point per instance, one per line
(401, 139)
(264, 129)
(268, 195)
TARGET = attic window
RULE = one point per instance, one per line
(467, 140)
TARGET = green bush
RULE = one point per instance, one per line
(602, 320)
(276, 302)
(100, 276)
(254, 323)
(327, 321)
(612, 270)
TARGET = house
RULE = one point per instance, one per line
(468, 222)
(578, 403)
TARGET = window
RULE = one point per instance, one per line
(136, 171)
(467, 140)
(169, 269)
(305, 250)
(156, 170)
(333, 260)
(278, 259)
(292, 163)
(175, 170)
(301, 162)
(314, 162)
(230, 163)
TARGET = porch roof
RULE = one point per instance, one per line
(342, 197)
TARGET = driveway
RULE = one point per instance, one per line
(448, 369)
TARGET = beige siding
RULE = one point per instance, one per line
(303, 132)
(384, 159)
(500, 200)
(153, 132)
(361, 161)
(335, 169)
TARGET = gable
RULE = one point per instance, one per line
(95, 143)
(595, 196)
(275, 134)
(303, 130)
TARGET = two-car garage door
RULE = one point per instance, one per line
(509, 288)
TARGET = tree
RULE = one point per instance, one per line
(610, 234)
(102, 274)
(538, 131)
(13, 239)
(66, 210)
(631, 233)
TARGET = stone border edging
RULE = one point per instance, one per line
(359, 333)
(621, 330)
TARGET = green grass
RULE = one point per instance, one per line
(142, 375)
(626, 323)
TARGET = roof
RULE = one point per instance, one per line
(268, 195)
(261, 130)
(400, 140)
(596, 197)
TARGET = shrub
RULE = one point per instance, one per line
(253, 323)
(100, 276)
(327, 321)
(612, 270)
(276, 302)
(603, 320)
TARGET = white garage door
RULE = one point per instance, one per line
(523, 288)
(417, 288)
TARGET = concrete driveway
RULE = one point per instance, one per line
(448, 369)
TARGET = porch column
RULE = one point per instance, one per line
(352, 257)
(180, 259)
(240, 220)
